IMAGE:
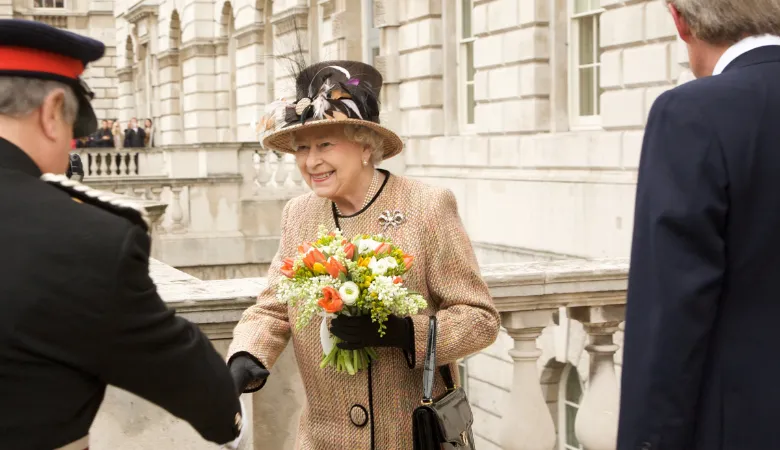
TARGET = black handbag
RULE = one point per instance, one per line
(443, 423)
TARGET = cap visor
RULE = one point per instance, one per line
(86, 121)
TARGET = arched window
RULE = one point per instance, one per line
(569, 397)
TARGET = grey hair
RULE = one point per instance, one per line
(728, 21)
(20, 96)
(363, 136)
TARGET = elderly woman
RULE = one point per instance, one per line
(334, 132)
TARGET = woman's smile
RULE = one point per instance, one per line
(321, 177)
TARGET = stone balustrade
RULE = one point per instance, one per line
(100, 163)
(529, 296)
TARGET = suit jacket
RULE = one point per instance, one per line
(703, 303)
(134, 139)
(373, 409)
(78, 311)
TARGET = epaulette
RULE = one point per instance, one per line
(114, 203)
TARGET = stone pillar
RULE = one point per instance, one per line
(198, 60)
(346, 24)
(170, 125)
(222, 90)
(526, 422)
(251, 78)
(386, 18)
(597, 420)
(126, 99)
(290, 30)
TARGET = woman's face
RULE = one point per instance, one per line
(330, 163)
(148, 123)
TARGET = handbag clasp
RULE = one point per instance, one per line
(464, 438)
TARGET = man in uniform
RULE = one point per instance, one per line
(78, 309)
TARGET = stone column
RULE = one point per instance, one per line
(346, 24)
(126, 97)
(290, 25)
(597, 420)
(526, 422)
(386, 18)
(251, 78)
(170, 125)
(222, 89)
(198, 59)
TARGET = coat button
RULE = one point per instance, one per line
(358, 415)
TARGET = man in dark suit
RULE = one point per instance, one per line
(78, 309)
(134, 135)
(703, 299)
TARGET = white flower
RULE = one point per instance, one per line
(380, 267)
(367, 245)
(349, 292)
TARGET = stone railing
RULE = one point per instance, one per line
(528, 295)
(276, 171)
(110, 163)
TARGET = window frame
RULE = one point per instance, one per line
(576, 120)
(463, 84)
(370, 34)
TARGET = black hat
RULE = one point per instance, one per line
(36, 50)
(329, 92)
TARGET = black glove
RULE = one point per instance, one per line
(246, 370)
(359, 332)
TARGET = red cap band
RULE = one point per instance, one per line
(24, 59)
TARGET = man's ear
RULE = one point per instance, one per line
(52, 113)
(682, 26)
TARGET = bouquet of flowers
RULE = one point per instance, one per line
(332, 276)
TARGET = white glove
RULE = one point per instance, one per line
(234, 445)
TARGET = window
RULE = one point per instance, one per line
(569, 398)
(371, 36)
(466, 101)
(49, 3)
(585, 90)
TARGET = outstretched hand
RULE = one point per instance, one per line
(360, 332)
(245, 371)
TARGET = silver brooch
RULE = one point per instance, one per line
(391, 219)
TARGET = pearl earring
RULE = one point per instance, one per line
(365, 163)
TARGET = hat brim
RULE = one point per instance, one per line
(86, 120)
(280, 139)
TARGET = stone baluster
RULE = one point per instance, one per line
(526, 422)
(597, 420)
(263, 173)
(140, 192)
(103, 170)
(177, 215)
(121, 163)
(280, 174)
(292, 171)
(132, 166)
(156, 192)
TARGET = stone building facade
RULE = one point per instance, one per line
(93, 18)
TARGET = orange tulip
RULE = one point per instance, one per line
(349, 249)
(303, 248)
(398, 280)
(408, 259)
(314, 256)
(334, 267)
(383, 248)
(287, 268)
(331, 301)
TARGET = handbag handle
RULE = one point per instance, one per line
(429, 370)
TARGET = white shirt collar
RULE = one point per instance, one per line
(742, 47)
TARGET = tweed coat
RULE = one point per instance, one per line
(372, 410)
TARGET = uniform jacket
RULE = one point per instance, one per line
(373, 409)
(78, 311)
(700, 371)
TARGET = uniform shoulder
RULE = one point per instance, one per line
(106, 204)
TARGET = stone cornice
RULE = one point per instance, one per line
(140, 11)
(168, 58)
(290, 20)
(124, 74)
(192, 49)
(251, 34)
(221, 46)
(327, 8)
